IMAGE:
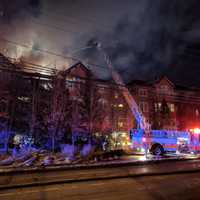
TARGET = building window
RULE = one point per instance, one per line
(103, 101)
(70, 84)
(116, 95)
(197, 113)
(143, 92)
(120, 124)
(144, 106)
(120, 105)
(157, 106)
(172, 123)
(24, 99)
(164, 89)
(172, 107)
(102, 90)
(46, 86)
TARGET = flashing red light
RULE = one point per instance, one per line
(195, 130)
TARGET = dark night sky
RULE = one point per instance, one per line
(145, 38)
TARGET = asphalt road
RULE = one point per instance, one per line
(173, 187)
(22, 177)
(174, 180)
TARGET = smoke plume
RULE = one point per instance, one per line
(143, 38)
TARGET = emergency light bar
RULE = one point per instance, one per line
(195, 130)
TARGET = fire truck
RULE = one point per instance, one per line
(143, 138)
(158, 142)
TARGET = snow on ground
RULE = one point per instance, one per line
(45, 158)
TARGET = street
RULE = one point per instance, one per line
(140, 188)
(150, 181)
(127, 166)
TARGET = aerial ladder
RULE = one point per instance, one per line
(156, 141)
(150, 140)
(135, 110)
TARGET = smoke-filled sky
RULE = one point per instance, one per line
(144, 38)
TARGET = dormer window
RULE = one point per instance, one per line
(164, 88)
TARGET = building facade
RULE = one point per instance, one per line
(97, 105)
(166, 105)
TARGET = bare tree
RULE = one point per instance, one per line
(60, 109)
(93, 107)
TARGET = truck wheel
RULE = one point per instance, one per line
(157, 150)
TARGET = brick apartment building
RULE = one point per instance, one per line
(164, 104)
(167, 105)
(115, 110)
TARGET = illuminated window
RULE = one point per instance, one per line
(172, 107)
(120, 105)
(47, 86)
(157, 106)
(116, 95)
(164, 88)
(197, 113)
(24, 99)
(120, 124)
